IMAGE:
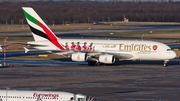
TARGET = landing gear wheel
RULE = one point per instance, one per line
(97, 63)
(165, 63)
(89, 63)
(93, 63)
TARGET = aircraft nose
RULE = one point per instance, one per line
(173, 55)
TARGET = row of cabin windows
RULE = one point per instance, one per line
(26, 97)
(10, 97)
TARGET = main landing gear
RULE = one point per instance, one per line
(93, 63)
(165, 63)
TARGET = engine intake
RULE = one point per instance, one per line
(79, 57)
(108, 59)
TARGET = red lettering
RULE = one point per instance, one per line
(46, 95)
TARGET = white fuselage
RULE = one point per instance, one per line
(1, 48)
(13, 95)
(140, 50)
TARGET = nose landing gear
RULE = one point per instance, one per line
(165, 62)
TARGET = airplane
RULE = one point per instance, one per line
(94, 51)
(1, 48)
(24, 95)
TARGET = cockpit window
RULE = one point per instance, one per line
(169, 49)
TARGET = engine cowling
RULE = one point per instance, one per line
(108, 59)
(79, 57)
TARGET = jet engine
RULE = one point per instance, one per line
(108, 59)
(79, 57)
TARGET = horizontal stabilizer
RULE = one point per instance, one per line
(26, 50)
(27, 44)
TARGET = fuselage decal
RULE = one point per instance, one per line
(134, 47)
(49, 95)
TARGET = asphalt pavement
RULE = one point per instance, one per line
(138, 81)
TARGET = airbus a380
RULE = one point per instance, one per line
(94, 51)
(18, 95)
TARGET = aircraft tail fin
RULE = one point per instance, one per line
(39, 29)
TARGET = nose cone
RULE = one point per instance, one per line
(173, 55)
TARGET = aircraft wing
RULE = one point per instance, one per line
(121, 55)
(90, 53)
(93, 53)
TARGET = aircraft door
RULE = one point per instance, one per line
(60, 98)
(38, 98)
(80, 97)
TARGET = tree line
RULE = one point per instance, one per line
(87, 12)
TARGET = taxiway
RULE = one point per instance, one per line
(147, 81)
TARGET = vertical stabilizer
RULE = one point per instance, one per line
(39, 29)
